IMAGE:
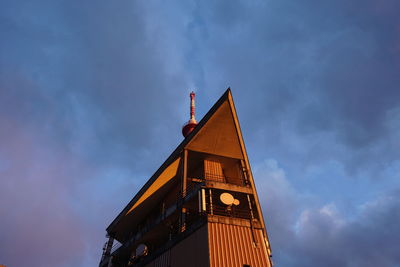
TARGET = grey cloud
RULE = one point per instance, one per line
(304, 231)
(368, 240)
(106, 77)
(89, 89)
(309, 68)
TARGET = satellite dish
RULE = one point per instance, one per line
(236, 202)
(141, 250)
(227, 198)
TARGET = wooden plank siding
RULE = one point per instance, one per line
(232, 246)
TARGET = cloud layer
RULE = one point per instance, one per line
(306, 232)
(92, 98)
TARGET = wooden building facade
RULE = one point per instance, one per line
(200, 208)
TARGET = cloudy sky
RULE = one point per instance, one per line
(93, 95)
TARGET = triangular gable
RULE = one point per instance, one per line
(219, 134)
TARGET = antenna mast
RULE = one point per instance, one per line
(191, 124)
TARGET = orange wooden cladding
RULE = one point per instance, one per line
(213, 170)
(232, 246)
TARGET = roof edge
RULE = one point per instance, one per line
(170, 159)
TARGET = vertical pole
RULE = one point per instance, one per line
(199, 200)
(184, 177)
(184, 188)
(192, 95)
(251, 222)
(203, 200)
(244, 173)
(211, 203)
(250, 207)
(109, 246)
(107, 250)
(183, 220)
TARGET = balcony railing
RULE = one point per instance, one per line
(116, 245)
(229, 211)
(224, 179)
(147, 226)
(176, 227)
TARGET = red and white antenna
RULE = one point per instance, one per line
(192, 95)
(191, 124)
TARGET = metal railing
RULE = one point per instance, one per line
(224, 179)
(144, 227)
(116, 245)
(230, 211)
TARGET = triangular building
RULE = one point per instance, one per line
(200, 208)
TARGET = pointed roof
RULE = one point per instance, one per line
(217, 133)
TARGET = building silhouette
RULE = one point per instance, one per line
(200, 208)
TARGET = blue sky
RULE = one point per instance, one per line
(93, 95)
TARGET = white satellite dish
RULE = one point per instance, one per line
(141, 250)
(236, 202)
(227, 198)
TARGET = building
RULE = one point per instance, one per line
(200, 208)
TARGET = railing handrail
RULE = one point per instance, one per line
(223, 178)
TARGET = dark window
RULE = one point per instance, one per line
(246, 265)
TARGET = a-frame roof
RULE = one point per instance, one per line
(217, 133)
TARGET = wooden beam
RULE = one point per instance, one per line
(184, 176)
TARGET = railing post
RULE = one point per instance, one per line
(244, 173)
(211, 202)
(202, 201)
(107, 250)
(110, 242)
